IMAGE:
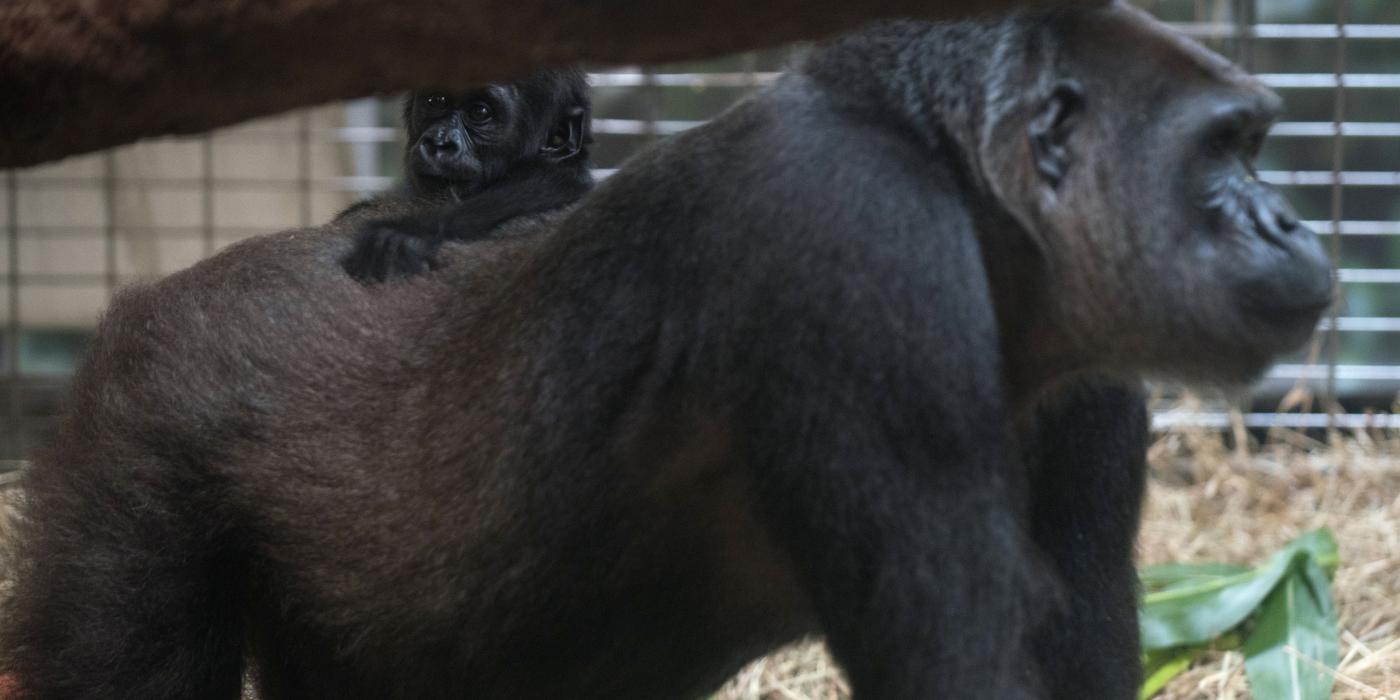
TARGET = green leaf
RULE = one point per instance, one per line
(1161, 667)
(1192, 613)
(1160, 577)
(1294, 638)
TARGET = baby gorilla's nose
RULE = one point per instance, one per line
(443, 144)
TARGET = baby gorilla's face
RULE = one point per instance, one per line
(462, 142)
(450, 136)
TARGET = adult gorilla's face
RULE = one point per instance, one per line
(1163, 201)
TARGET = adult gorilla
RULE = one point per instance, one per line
(759, 383)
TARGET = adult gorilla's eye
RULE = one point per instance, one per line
(1226, 139)
(1239, 134)
(479, 112)
(436, 100)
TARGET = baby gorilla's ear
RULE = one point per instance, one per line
(566, 138)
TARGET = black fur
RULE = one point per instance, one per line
(774, 377)
(1086, 449)
(529, 157)
(408, 245)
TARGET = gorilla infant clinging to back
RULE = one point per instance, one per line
(763, 382)
(495, 153)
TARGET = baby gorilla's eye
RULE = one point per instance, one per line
(479, 112)
(436, 100)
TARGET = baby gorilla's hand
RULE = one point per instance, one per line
(402, 247)
(392, 249)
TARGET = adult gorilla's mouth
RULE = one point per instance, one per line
(1291, 303)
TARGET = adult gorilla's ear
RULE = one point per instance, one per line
(566, 139)
(1049, 130)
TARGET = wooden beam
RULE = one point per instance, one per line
(79, 75)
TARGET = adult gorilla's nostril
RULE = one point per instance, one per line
(1278, 213)
(1272, 216)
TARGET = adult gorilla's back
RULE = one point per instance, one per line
(759, 383)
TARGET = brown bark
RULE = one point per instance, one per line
(78, 75)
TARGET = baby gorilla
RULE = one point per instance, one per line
(487, 156)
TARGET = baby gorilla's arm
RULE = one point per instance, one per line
(387, 249)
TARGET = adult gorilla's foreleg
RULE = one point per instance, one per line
(919, 583)
(879, 438)
(1087, 456)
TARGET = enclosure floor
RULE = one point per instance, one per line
(1207, 502)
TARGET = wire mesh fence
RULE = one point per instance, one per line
(77, 230)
